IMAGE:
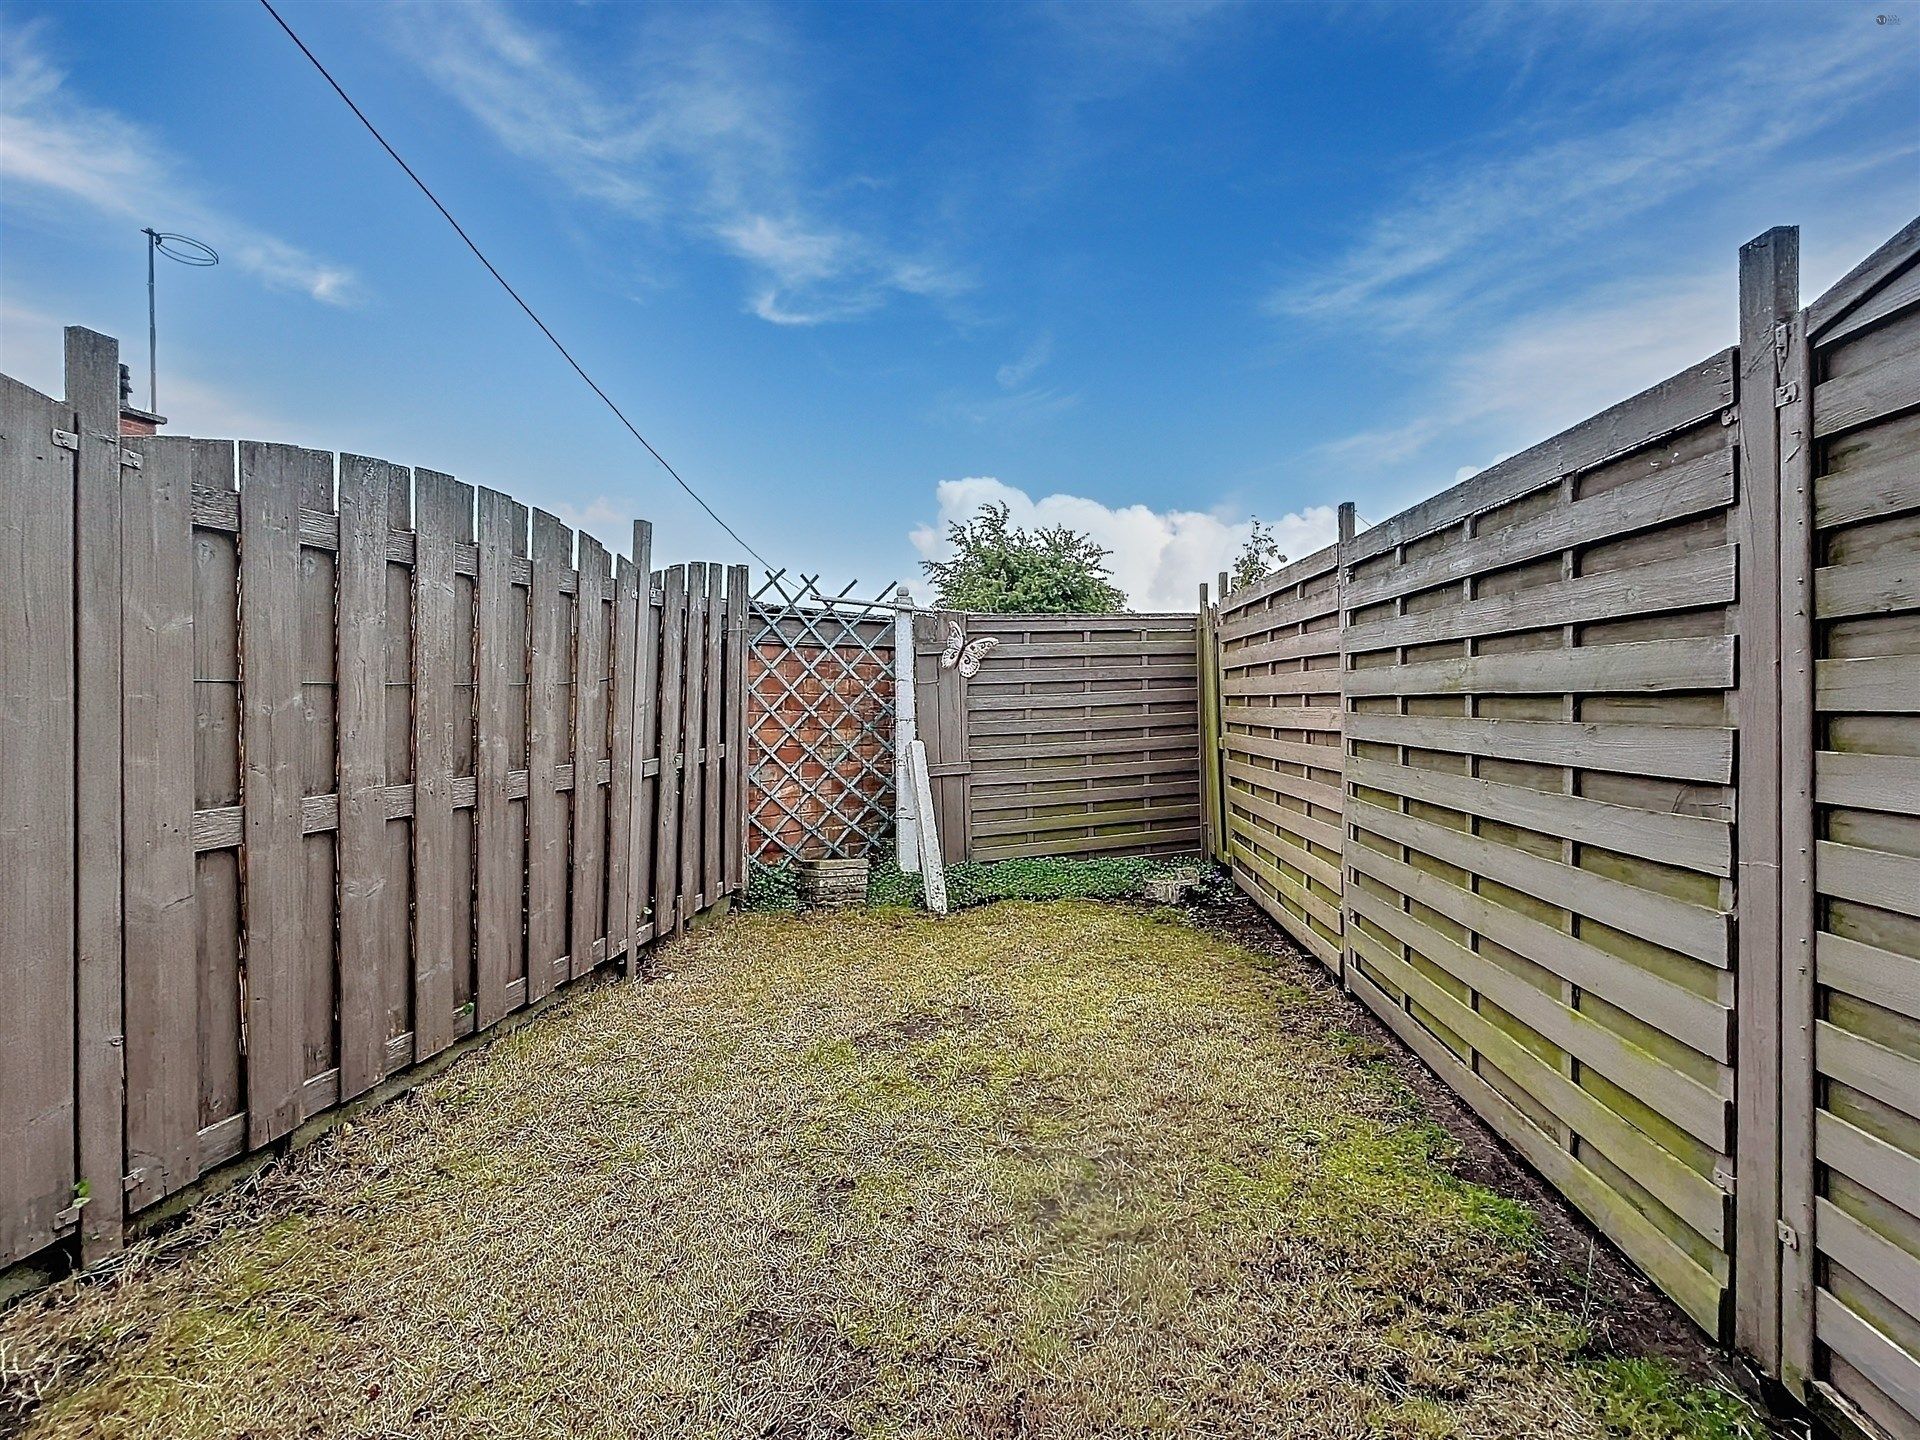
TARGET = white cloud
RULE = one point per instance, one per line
(699, 136)
(1160, 557)
(56, 149)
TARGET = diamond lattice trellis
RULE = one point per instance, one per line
(820, 721)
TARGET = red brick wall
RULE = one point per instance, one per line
(822, 713)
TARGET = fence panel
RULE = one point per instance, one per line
(37, 1113)
(1280, 750)
(1852, 1160)
(1540, 735)
(333, 727)
(1082, 733)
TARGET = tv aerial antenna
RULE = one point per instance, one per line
(185, 250)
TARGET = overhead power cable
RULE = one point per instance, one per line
(479, 255)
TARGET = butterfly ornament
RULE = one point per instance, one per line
(966, 656)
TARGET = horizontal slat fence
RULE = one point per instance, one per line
(1539, 723)
(1077, 734)
(1280, 754)
(390, 767)
(1628, 845)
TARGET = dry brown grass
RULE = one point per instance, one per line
(1063, 1170)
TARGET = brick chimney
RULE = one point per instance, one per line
(132, 421)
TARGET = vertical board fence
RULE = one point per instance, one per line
(1597, 777)
(354, 763)
(1072, 735)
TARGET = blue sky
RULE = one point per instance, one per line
(1147, 268)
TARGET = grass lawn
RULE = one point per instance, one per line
(1049, 1170)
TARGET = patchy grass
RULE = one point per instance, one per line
(1057, 1170)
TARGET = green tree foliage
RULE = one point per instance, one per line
(1001, 569)
(1258, 558)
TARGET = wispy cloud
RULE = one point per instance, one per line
(1159, 557)
(1017, 372)
(1552, 277)
(698, 133)
(1525, 221)
(57, 150)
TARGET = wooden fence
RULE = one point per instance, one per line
(1618, 822)
(1076, 735)
(312, 767)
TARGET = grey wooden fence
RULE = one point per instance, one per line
(311, 768)
(1076, 735)
(1618, 822)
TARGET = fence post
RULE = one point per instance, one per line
(1346, 520)
(1769, 296)
(93, 394)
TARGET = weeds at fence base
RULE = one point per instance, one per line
(773, 888)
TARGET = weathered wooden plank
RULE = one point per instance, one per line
(1689, 488)
(646, 741)
(1639, 667)
(499, 666)
(713, 813)
(1876, 584)
(1691, 841)
(736, 782)
(1675, 752)
(1859, 283)
(1865, 781)
(620, 787)
(1322, 719)
(1695, 393)
(1880, 1071)
(666, 844)
(589, 750)
(1006, 704)
(1871, 877)
(271, 743)
(1861, 397)
(436, 518)
(1891, 1269)
(37, 823)
(1299, 572)
(1874, 683)
(365, 487)
(1885, 977)
(1700, 578)
(1884, 486)
(162, 972)
(315, 603)
(546, 748)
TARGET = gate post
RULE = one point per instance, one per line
(93, 394)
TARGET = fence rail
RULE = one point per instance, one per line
(1595, 776)
(314, 765)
